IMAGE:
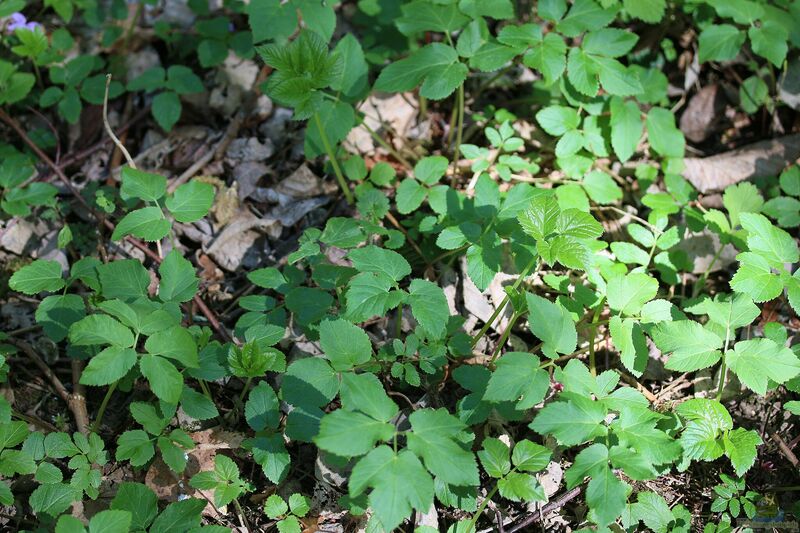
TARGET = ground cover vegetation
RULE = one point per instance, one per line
(426, 265)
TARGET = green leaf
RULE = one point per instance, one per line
(108, 366)
(790, 180)
(651, 11)
(629, 340)
(626, 127)
(57, 313)
(370, 294)
(111, 522)
(558, 120)
(143, 185)
(429, 306)
(664, 137)
(740, 447)
(338, 118)
(434, 440)
(136, 447)
(520, 487)
(548, 57)
(53, 499)
(755, 278)
(381, 261)
(365, 393)
(693, 347)
(41, 275)
(706, 419)
(410, 195)
(350, 434)
(601, 187)
(742, 198)
(494, 457)
(552, 324)
(147, 223)
(530, 457)
(720, 42)
(261, 409)
(774, 244)
(421, 15)
(197, 405)
(100, 329)
(757, 361)
(606, 496)
(352, 80)
(730, 311)
(275, 507)
(178, 280)
(628, 294)
(541, 218)
(176, 343)
(435, 62)
(399, 484)
(344, 344)
(165, 380)
(182, 80)
(589, 462)
(125, 279)
(191, 201)
(517, 377)
(609, 42)
(753, 93)
(180, 516)
(571, 422)
(166, 109)
(429, 170)
(584, 15)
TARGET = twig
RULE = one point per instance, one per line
(554, 505)
(785, 450)
(110, 131)
(76, 402)
(652, 398)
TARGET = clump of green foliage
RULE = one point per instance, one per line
(530, 210)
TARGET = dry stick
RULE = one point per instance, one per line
(554, 505)
(785, 450)
(76, 403)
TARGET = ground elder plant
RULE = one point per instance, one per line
(497, 317)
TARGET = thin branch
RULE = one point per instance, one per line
(554, 505)
(110, 131)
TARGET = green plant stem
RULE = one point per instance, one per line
(488, 324)
(332, 156)
(459, 131)
(242, 517)
(103, 405)
(592, 333)
(244, 390)
(398, 323)
(504, 337)
(484, 503)
(723, 369)
(397, 155)
(701, 281)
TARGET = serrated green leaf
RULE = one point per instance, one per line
(740, 447)
(720, 42)
(191, 201)
(165, 380)
(147, 223)
(571, 422)
(350, 434)
(552, 324)
(108, 366)
(41, 275)
(692, 346)
(344, 344)
(429, 306)
(433, 439)
(757, 361)
(146, 186)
